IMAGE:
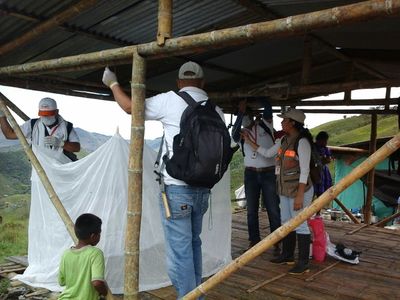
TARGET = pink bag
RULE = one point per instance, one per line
(319, 238)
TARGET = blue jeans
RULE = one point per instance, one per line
(182, 235)
(287, 211)
(254, 184)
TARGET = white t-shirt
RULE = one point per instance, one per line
(168, 108)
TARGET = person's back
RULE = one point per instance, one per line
(78, 268)
(82, 267)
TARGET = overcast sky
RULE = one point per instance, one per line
(105, 116)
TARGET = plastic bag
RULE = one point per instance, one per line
(319, 238)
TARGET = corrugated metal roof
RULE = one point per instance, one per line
(111, 24)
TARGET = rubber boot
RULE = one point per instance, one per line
(288, 246)
(303, 241)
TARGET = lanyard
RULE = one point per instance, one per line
(54, 129)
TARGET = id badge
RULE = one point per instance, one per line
(277, 170)
(254, 155)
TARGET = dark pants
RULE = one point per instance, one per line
(254, 184)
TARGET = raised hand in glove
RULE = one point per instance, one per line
(52, 141)
(109, 78)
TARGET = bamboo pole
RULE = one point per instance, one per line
(265, 282)
(311, 278)
(237, 36)
(41, 173)
(371, 174)
(164, 21)
(289, 226)
(344, 208)
(357, 229)
(134, 213)
(46, 26)
(14, 108)
(383, 222)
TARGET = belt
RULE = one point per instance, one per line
(266, 169)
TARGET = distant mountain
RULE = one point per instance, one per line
(15, 169)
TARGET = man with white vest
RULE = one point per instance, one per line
(49, 131)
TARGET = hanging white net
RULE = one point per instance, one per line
(98, 184)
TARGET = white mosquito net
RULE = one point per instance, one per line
(98, 184)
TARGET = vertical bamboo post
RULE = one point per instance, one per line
(164, 21)
(135, 171)
(289, 226)
(41, 173)
(307, 60)
(371, 174)
(387, 97)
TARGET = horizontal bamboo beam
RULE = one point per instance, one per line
(58, 19)
(387, 149)
(237, 36)
(347, 149)
(279, 89)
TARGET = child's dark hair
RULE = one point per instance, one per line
(87, 224)
(322, 135)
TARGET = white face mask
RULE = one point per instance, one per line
(48, 120)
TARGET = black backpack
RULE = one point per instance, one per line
(315, 162)
(202, 149)
(72, 156)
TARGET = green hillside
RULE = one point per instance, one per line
(357, 129)
(15, 173)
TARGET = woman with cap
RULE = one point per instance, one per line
(295, 189)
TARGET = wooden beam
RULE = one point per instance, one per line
(135, 179)
(383, 222)
(242, 35)
(307, 61)
(164, 21)
(45, 26)
(371, 175)
(347, 212)
(302, 216)
(387, 97)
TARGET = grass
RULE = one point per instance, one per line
(14, 227)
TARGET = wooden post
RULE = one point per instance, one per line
(289, 226)
(387, 97)
(135, 172)
(237, 36)
(164, 21)
(348, 213)
(307, 60)
(383, 222)
(371, 174)
(349, 77)
(41, 173)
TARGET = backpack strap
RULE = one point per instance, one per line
(267, 130)
(189, 99)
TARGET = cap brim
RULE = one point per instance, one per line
(47, 113)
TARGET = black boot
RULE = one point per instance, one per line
(303, 241)
(288, 246)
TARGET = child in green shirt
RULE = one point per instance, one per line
(82, 267)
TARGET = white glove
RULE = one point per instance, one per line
(109, 78)
(52, 141)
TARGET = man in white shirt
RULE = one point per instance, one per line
(187, 203)
(49, 131)
(259, 176)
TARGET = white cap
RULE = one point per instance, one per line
(47, 107)
(294, 114)
(190, 70)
